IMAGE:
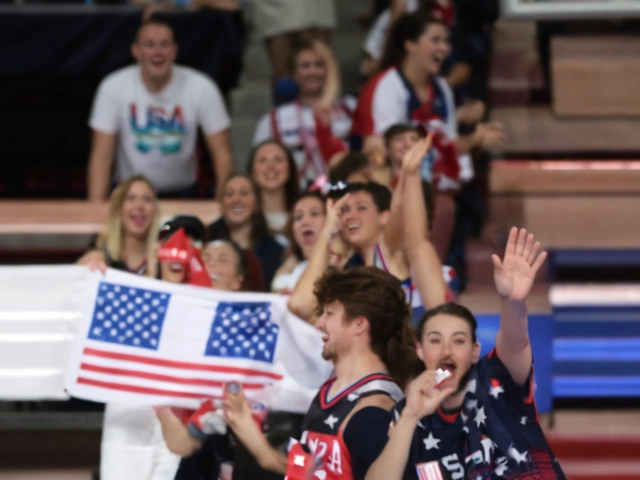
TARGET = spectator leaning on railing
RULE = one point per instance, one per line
(147, 115)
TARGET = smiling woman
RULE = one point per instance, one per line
(243, 222)
(128, 241)
(272, 167)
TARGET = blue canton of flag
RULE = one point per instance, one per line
(128, 316)
(243, 330)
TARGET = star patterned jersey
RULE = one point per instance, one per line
(322, 443)
(495, 435)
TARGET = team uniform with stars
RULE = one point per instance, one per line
(495, 435)
(342, 452)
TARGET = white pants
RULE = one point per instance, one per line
(133, 447)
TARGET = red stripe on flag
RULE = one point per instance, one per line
(164, 378)
(176, 364)
(143, 390)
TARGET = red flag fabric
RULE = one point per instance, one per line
(178, 248)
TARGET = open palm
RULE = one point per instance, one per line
(514, 275)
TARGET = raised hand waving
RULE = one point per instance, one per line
(515, 273)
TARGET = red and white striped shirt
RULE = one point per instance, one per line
(311, 142)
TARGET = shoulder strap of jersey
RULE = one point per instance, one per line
(379, 386)
(369, 385)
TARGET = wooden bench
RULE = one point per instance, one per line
(596, 340)
(569, 205)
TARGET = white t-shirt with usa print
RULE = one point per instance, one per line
(157, 131)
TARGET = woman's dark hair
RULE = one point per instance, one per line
(377, 296)
(380, 194)
(351, 163)
(288, 229)
(454, 310)
(259, 227)
(409, 27)
(292, 186)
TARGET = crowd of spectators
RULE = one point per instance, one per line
(378, 177)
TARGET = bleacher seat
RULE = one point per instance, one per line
(596, 346)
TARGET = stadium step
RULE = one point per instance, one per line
(598, 457)
(516, 74)
(596, 75)
(597, 444)
(535, 132)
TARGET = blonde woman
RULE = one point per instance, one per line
(129, 240)
(132, 442)
(317, 125)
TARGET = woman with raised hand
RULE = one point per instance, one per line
(317, 125)
(272, 167)
(481, 422)
(373, 225)
(128, 241)
(305, 227)
(243, 222)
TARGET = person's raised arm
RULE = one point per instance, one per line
(394, 228)
(103, 146)
(219, 145)
(426, 269)
(514, 276)
(175, 433)
(237, 414)
(422, 400)
(302, 301)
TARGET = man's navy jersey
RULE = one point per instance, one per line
(346, 452)
(496, 434)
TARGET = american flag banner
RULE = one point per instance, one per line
(148, 342)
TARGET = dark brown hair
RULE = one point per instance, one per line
(380, 194)
(454, 310)
(409, 27)
(351, 163)
(161, 22)
(377, 296)
(292, 186)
